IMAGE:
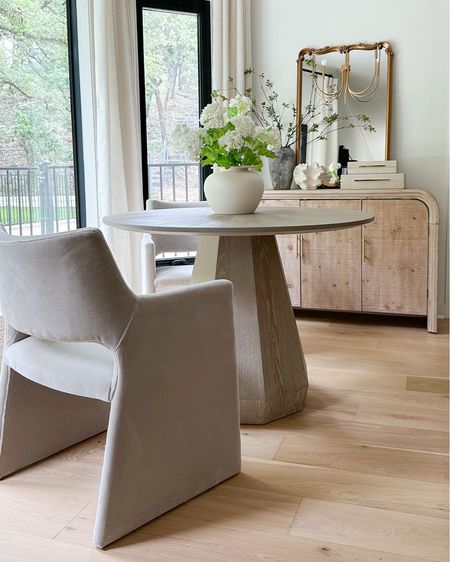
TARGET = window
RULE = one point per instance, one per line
(39, 185)
(175, 83)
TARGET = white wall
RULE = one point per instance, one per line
(418, 31)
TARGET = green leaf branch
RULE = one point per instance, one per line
(282, 116)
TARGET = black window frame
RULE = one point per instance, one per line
(202, 9)
(75, 110)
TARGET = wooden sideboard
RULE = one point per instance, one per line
(388, 266)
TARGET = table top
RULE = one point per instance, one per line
(265, 221)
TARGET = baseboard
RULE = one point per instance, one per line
(443, 310)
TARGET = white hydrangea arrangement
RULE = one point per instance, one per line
(228, 136)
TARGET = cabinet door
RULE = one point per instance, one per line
(289, 246)
(331, 263)
(394, 272)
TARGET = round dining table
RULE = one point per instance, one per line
(271, 367)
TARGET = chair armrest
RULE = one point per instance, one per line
(148, 264)
(184, 332)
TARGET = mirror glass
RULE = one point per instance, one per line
(344, 108)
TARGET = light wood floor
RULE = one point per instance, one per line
(360, 475)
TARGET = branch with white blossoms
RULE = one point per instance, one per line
(228, 135)
(282, 116)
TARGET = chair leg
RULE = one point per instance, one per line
(162, 452)
(37, 421)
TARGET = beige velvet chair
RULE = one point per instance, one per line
(83, 353)
(156, 280)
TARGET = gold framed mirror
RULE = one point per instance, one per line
(344, 100)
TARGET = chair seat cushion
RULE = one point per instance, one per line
(84, 369)
(173, 276)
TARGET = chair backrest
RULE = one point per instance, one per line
(174, 242)
(64, 287)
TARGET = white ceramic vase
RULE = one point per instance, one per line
(236, 191)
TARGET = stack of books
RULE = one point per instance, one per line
(373, 175)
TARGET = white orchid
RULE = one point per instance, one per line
(333, 169)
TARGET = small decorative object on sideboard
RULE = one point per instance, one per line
(309, 177)
(332, 179)
(281, 168)
(372, 167)
(373, 175)
(334, 168)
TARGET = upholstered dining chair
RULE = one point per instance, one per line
(83, 353)
(166, 277)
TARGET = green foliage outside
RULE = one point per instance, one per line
(35, 122)
(35, 117)
(171, 79)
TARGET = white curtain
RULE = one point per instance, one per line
(117, 141)
(231, 44)
(324, 151)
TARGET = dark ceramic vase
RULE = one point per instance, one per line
(282, 167)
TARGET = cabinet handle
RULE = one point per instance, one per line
(290, 285)
(365, 241)
(304, 241)
(297, 242)
(290, 247)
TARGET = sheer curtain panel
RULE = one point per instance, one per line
(231, 44)
(116, 139)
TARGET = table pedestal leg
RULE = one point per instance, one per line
(271, 366)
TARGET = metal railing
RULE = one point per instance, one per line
(37, 200)
(174, 181)
(42, 200)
